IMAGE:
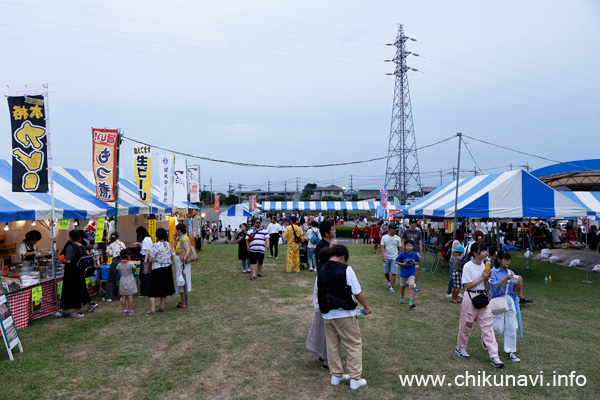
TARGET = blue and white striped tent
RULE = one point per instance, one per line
(589, 200)
(384, 212)
(513, 194)
(240, 210)
(74, 197)
(319, 205)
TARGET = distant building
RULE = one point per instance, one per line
(290, 195)
(368, 195)
(349, 194)
(330, 190)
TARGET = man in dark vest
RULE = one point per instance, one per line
(336, 283)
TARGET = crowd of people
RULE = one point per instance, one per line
(156, 277)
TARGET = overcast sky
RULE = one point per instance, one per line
(297, 83)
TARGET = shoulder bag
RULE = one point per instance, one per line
(479, 301)
(499, 305)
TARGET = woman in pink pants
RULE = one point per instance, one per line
(475, 278)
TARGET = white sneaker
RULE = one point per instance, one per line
(460, 295)
(390, 285)
(496, 363)
(355, 384)
(392, 290)
(76, 314)
(337, 380)
(462, 353)
(106, 300)
(513, 357)
(449, 296)
(270, 256)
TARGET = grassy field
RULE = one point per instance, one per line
(245, 340)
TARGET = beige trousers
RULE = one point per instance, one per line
(347, 331)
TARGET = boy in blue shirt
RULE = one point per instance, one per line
(407, 260)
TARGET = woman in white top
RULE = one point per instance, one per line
(144, 238)
(113, 250)
(476, 277)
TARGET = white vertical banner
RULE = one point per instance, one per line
(166, 177)
(193, 184)
(180, 180)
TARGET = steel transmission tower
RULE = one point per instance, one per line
(402, 169)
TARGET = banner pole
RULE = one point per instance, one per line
(52, 209)
(457, 180)
(117, 186)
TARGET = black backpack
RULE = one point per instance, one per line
(86, 263)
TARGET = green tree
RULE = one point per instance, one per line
(277, 198)
(205, 197)
(231, 199)
(309, 190)
(331, 198)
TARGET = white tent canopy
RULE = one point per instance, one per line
(319, 205)
(236, 215)
(74, 197)
(512, 194)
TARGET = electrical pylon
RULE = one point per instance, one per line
(402, 169)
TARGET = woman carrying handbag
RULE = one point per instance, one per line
(503, 284)
(476, 277)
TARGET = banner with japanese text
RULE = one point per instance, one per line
(142, 170)
(252, 205)
(217, 205)
(29, 144)
(166, 177)
(193, 184)
(383, 195)
(180, 180)
(105, 163)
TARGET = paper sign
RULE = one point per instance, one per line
(137, 271)
(36, 294)
(87, 282)
(152, 229)
(63, 224)
(99, 230)
(59, 288)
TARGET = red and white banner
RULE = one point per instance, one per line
(216, 206)
(105, 162)
(383, 195)
(252, 205)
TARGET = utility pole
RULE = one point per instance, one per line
(510, 166)
(285, 197)
(351, 187)
(455, 226)
(239, 193)
(212, 195)
(297, 191)
(441, 179)
(474, 171)
(268, 188)
(402, 168)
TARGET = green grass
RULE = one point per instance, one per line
(245, 340)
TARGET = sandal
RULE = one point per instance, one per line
(525, 300)
(454, 302)
(161, 310)
(180, 306)
(151, 312)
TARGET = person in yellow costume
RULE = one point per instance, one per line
(295, 237)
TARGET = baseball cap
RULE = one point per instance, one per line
(459, 248)
(392, 226)
(412, 220)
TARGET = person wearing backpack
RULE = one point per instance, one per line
(74, 289)
(314, 237)
(295, 237)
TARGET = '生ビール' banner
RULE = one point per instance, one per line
(105, 162)
(142, 170)
(29, 144)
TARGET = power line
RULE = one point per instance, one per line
(473, 158)
(242, 164)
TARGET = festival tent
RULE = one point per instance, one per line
(589, 200)
(320, 205)
(74, 197)
(512, 194)
(236, 215)
(397, 211)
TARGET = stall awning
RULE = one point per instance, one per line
(74, 197)
(589, 200)
(319, 205)
(512, 194)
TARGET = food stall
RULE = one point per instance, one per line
(33, 289)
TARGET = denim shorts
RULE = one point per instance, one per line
(390, 267)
